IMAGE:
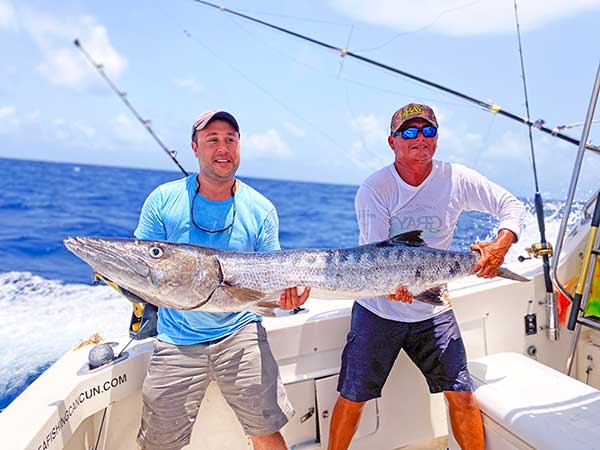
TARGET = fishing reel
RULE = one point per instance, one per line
(538, 250)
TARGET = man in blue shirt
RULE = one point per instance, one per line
(213, 209)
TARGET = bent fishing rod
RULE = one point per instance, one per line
(123, 96)
(539, 124)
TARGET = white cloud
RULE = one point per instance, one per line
(369, 152)
(365, 160)
(70, 132)
(510, 146)
(459, 145)
(294, 130)
(62, 63)
(370, 127)
(7, 112)
(9, 121)
(265, 145)
(461, 17)
(189, 83)
(127, 131)
(8, 18)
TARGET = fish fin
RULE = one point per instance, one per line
(263, 309)
(243, 294)
(266, 309)
(433, 296)
(410, 238)
(510, 275)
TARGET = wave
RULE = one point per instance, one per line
(553, 212)
(42, 319)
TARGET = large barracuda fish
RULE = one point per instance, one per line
(187, 277)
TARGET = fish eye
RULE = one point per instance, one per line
(156, 252)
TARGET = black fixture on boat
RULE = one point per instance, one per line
(101, 354)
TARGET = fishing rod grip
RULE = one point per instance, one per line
(575, 306)
(539, 212)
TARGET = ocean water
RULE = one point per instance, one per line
(47, 302)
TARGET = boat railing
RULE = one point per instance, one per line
(552, 316)
(573, 185)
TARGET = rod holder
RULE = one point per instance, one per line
(552, 327)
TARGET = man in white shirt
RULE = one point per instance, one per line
(418, 192)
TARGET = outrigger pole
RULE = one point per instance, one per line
(539, 124)
(123, 96)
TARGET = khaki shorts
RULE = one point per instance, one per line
(178, 375)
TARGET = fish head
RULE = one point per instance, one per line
(162, 273)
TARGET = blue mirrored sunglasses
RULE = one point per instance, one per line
(428, 131)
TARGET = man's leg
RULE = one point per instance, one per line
(344, 423)
(248, 377)
(172, 392)
(436, 347)
(272, 441)
(372, 345)
(465, 419)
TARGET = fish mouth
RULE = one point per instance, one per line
(108, 258)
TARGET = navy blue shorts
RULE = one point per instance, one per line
(373, 343)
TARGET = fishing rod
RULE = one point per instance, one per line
(543, 249)
(123, 95)
(539, 124)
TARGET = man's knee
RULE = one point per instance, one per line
(345, 405)
(461, 400)
(273, 441)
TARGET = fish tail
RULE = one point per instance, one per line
(510, 275)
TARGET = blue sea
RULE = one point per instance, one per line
(47, 301)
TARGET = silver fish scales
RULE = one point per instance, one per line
(184, 276)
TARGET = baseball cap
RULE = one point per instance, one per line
(412, 111)
(208, 116)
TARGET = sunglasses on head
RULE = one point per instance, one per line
(428, 131)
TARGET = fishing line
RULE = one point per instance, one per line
(345, 79)
(492, 108)
(539, 204)
(289, 56)
(533, 163)
(123, 96)
(363, 140)
(418, 30)
(100, 430)
(484, 140)
(264, 90)
(378, 157)
(342, 59)
(298, 18)
(133, 338)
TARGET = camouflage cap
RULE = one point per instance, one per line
(412, 111)
(208, 116)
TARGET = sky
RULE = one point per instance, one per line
(306, 113)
